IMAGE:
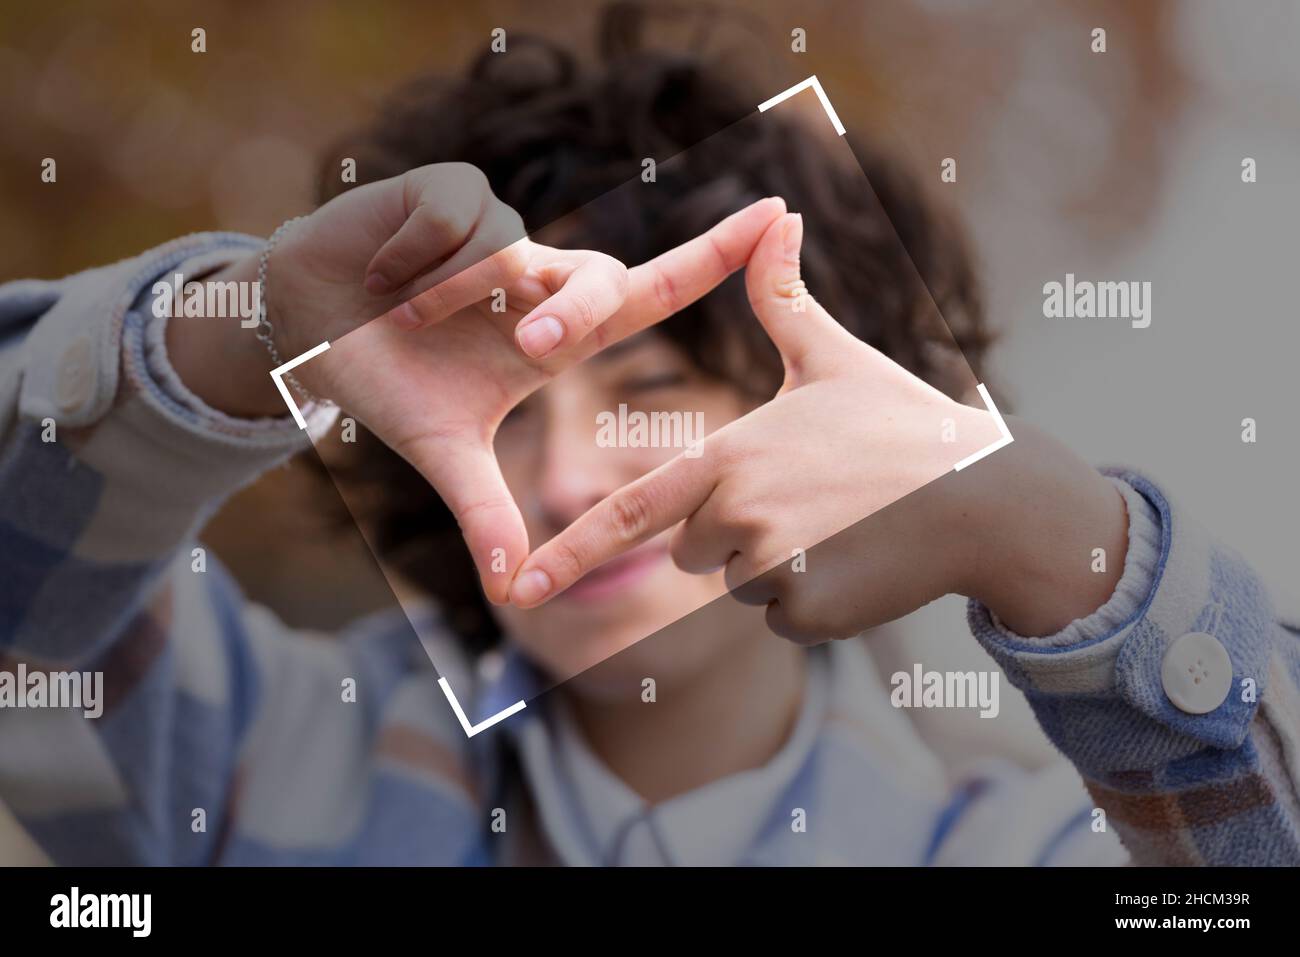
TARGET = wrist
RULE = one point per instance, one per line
(1035, 565)
(220, 359)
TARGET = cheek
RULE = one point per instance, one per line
(515, 454)
(706, 639)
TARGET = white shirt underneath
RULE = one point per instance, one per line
(596, 819)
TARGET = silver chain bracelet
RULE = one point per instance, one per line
(264, 330)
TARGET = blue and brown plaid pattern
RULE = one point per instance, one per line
(214, 706)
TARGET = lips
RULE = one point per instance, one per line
(618, 575)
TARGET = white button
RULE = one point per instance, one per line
(1196, 673)
(76, 375)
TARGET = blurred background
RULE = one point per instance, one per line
(1123, 165)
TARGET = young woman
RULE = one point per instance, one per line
(227, 738)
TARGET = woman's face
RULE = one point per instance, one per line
(557, 459)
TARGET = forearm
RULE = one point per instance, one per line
(105, 473)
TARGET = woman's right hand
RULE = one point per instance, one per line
(435, 377)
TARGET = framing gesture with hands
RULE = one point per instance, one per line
(445, 387)
(435, 377)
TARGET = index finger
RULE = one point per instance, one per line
(632, 515)
(673, 280)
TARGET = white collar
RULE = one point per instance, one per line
(592, 817)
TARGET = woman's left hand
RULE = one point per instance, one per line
(849, 433)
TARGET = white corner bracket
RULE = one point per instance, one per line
(473, 729)
(813, 82)
(279, 371)
(1002, 427)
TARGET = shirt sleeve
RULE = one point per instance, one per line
(107, 471)
(162, 381)
(1183, 778)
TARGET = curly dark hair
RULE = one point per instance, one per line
(552, 135)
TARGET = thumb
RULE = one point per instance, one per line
(465, 472)
(800, 328)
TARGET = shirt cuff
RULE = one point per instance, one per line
(1197, 585)
(165, 386)
(161, 461)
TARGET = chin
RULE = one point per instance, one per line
(611, 665)
(606, 647)
(609, 653)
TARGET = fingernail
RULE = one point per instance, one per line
(405, 316)
(530, 587)
(540, 336)
(377, 284)
(793, 236)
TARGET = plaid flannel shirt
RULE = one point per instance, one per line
(213, 705)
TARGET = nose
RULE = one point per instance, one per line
(576, 473)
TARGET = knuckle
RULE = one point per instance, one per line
(743, 583)
(473, 509)
(781, 624)
(470, 175)
(585, 310)
(512, 261)
(680, 550)
(629, 515)
(684, 548)
(394, 261)
(788, 618)
(429, 305)
(722, 263)
(666, 291)
(618, 277)
(502, 224)
(566, 562)
(437, 220)
(736, 514)
(728, 450)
